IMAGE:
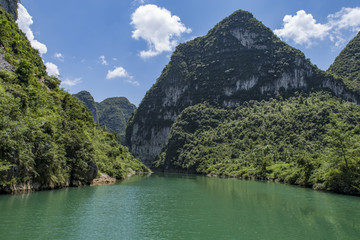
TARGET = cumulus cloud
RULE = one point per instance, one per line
(103, 60)
(71, 82)
(52, 69)
(24, 21)
(118, 72)
(158, 28)
(132, 82)
(59, 57)
(303, 29)
(346, 18)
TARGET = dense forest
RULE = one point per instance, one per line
(306, 140)
(48, 138)
(238, 60)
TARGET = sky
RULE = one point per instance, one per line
(118, 48)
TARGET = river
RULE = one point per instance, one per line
(177, 206)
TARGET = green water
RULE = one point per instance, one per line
(180, 207)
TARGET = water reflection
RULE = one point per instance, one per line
(176, 206)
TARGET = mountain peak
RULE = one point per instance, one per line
(240, 59)
(240, 15)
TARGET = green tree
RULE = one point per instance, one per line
(343, 142)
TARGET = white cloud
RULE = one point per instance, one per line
(303, 29)
(71, 82)
(118, 72)
(24, 21)
(158, 28)
(346, 18)
(103, 61)
(59, 57)
(135, 83)
(139, 1)
(52, 69)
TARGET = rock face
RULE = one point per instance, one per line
(103, 179)
(4, 64)
(10, 6)
(238, 60)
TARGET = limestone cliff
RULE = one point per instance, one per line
(238, 60)
(10, 6)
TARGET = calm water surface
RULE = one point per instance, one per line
(178, 206)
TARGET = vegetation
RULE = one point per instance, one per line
(347, 65)
(89, 102)
(112, 113)
(306, 140)
(238, 60)
(48, 137)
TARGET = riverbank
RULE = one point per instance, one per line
(30, 186)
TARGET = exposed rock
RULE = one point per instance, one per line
(238, 60)
(104, 179)
(92, 172)
(10, 6)
(4, 64)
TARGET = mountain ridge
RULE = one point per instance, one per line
(112, 113)
(347, 64)
(239, 59)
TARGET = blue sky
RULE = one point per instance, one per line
(119, 47)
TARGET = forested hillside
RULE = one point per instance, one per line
(306, 140)
(347, 64)
(48, 138)
(239, 60)
(111, 113)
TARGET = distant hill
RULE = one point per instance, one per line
(112, 113)
(347, 64)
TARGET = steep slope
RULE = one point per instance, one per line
(112, 113)
(238, 60)
(89, 102)
(347, 65)
(10, 6)
(306, 140)
(48, 138)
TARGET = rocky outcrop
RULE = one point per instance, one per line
(238, 60)
(4, 64)
(10, 6)
(103, 179)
